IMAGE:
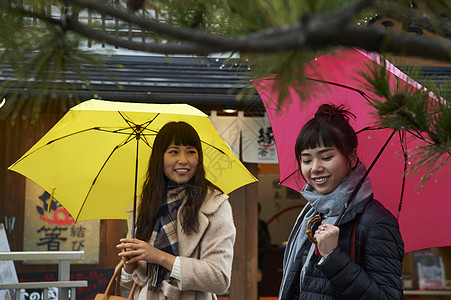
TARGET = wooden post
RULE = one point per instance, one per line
(245, 213)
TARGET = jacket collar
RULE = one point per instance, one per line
(212, 202)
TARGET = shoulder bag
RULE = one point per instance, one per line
(116, 276)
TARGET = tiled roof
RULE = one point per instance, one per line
(155, 78)
(205, 83)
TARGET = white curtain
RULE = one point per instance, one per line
(257, 139)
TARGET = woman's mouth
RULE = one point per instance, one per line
(181, 171)
(320, 180)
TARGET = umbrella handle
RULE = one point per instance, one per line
(312, 225)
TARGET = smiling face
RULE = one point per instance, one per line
(180, 163)
(325, 167)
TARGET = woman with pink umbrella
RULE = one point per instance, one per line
(357, 250)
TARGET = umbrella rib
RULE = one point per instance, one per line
(144, 139)
(118, 146)
(142, 127)
(94, 181)
(131, 136)
(214, 147)
(55, 140)
(129, 122)
(413, 133)
(153, 132)
(137, 130)
(402, 136)
(291, 174)
(341, 85)
(368, 128)
(115, 131)
(120, 130)
(420, 136)
(340, 217)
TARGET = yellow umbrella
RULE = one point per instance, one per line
(94, 159)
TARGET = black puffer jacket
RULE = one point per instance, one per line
(376, 272)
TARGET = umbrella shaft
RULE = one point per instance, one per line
(136, 185)
(363, 178)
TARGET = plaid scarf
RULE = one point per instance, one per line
(164, 236)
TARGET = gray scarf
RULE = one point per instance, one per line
(330, 205)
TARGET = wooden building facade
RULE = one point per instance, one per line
(144, 79)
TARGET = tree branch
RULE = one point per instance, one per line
(314, 31)
(185, 34)
(382, 40)
(100, 36)
(413, 16)
(340, 18)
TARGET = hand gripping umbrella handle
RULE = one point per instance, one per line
(312, 225)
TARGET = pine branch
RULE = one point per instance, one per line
(413, 16)
(419, 112)
(312, 32)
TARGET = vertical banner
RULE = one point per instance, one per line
(255, 133)
(49, 227)
(229, 129)
(258, 144)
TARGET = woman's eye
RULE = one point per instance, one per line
(306, 161)
(192, 151)
(328, 158)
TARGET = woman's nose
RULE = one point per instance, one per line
(182, 158)
(317, 165)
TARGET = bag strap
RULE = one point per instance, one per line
(116, 276)
(352, 250)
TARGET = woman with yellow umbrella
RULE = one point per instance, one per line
(94, 162)
(184, 227)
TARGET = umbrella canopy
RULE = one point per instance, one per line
(94, 160)
(336, 78)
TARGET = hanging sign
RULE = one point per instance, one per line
(258, 144)
(251, 138)
(49, 227)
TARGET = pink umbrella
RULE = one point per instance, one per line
(422, 213)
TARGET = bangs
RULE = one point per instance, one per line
(315, 138)
(182, 134)
(179, 134)
(184, 137)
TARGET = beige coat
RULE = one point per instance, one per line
(205, 257)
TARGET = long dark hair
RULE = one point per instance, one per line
(329, 126)
(156, 184)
